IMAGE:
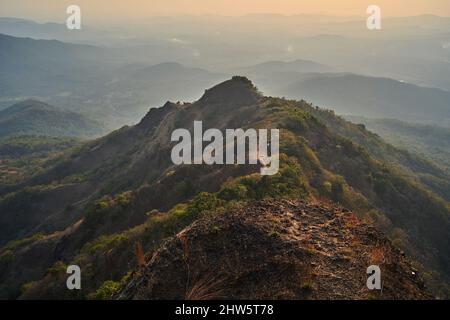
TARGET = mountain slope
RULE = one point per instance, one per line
(32, 117)
(27, 28)
(111, 85)
(45, 67)
(431, 142)
(372, 97)
(22, 156)
(123, 188)
(308, 252)
(415, 167)
(301, 66)
(131, 89)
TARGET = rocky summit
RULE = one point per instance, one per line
(275, 249)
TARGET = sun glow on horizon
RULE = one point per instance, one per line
(135, 10)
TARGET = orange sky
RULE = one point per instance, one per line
(123, 10)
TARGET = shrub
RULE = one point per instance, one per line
(58, 268)
(106, 242)
(233, 192)
(106, 291)
(327, 185)
(337, 189)
(17, 244)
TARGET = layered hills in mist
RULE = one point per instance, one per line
(114, 86)
(32, 117)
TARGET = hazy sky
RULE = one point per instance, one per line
(123, 10)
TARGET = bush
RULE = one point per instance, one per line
(58, 268)
(106, 242)
(337, 189)
(106, 291)
(327, 185)
(233, 192)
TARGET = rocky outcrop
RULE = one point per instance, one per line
(276, 249)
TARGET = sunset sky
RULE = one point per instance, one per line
(121, 10)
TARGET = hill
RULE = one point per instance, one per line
(274, 249)
(17, 27)
(113, 85)
(45, 67)
(23, 156)
(126, 96)
(372, 97)
(301, 66)
(32, 117)
(429, 141)
(92, 205)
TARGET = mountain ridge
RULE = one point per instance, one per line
(123, 188)
(372, 97)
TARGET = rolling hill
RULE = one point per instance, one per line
(46, 67)
(111, 85)
(430, 142)
(301, 66)
(32, 117)
(372, 97)
(23, 28)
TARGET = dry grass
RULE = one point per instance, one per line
(206, 288)
(140, 255)
(377, 256)
(352, 221)
(184, 244)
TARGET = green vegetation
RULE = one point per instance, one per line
(106, 291)
(308, 286)
(17, 244)
(26, 156)
(109, 288)
(106, 242)
(429, 141)
(135, 195)
(32, 117)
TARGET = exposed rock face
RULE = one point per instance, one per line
(239, 91)
(276, 249)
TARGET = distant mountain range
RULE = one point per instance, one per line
(300, 66)
(99, 82)
(95, 81)
(413, 49)
(17, 27)
(95, 202)
(47, 67)
(372, 97)
(33, 117)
